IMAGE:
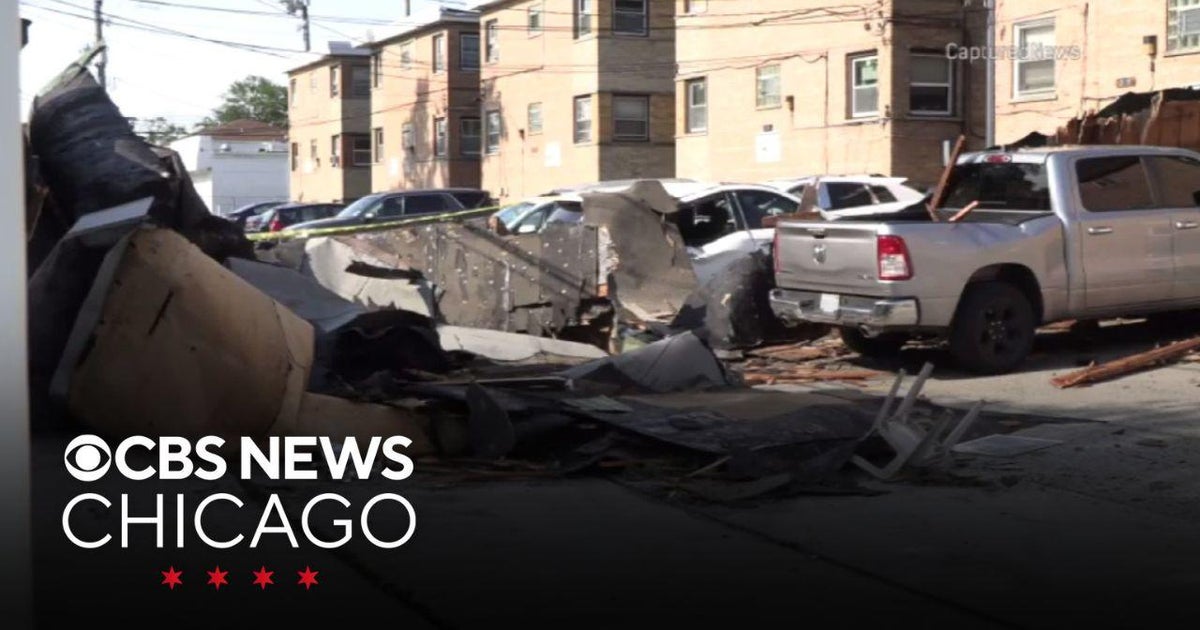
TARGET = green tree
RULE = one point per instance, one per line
(160, 131)
(253, 98)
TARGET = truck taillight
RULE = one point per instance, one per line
(775, 250)
(892, 254)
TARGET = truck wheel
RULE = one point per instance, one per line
(993, 329)
(886, 344)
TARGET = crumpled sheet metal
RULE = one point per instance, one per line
(679, 363)
(649, 273)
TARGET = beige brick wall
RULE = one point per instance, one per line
(552, 68)
(1109, 36)
(812, 127)
(417, 96)
(314, 114)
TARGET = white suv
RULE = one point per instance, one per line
(854, 195)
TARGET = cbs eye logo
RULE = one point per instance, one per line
(87, 458)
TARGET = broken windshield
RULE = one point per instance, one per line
(1004, 186)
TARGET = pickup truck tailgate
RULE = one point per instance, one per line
(820, 255)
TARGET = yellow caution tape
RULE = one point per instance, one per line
(287, 235)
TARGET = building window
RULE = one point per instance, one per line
(295, 155)
(439, 53)
(292, 92)
(631, 118)
(360, 81)
(406, 137)
(406, 55)
(695, 6)
(439, 137)
(931, 85)
(1183, 25)
(379, 144)
(335, 151)
(583, 119)
(864, 86)
(535, 118)
(360, 150)
(469, 136)
(335, 80)
(491, 34)
(767, 92)
(493, 132)
(534, 19)
(697, 105)
(376, 67)
(312, 82)
(630, 17)
(312, 153)
(583, 17)
(468, 52)
(1033, 65)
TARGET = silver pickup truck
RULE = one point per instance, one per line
(1058, 233)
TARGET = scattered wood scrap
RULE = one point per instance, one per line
(1126, 365)
(806, 376)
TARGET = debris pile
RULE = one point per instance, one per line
(151, 316)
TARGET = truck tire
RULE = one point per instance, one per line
(886, 344)
(993, 329)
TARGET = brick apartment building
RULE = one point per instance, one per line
(1101, 50)
(329, 126)
(576, 91)
(786, 88)
(425, 117)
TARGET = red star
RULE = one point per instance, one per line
(262, 577)
(308, 577)
(216, 577)
(171, 578)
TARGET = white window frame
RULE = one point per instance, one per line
(335, 76)
(1018, 31)
(439, 53)
(335, 150)
(292, 92)
(356, 153)
(644, 13)
(489, 126)
(644, 99)
(406, 58)
(1175, 11)
(464, 134)
(376, 67)
(582, 18)
(491, 47)
(760, 100)
(855, 60)
(529, 118)
(407, 141)
(691, 107)
(692, 7)
(950, 86)
(377, 143)
(582, 105)
(535, 10)
(463, 40)
(441, 137)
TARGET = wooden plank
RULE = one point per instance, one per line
(944, 180)
(1126, 365)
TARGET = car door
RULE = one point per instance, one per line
(1177, 189)
(1125, 241)
(390, 209)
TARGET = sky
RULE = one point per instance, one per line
(154, 74)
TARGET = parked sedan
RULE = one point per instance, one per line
(397, 205)
(531, 215)
(284, 216)
(244, 213)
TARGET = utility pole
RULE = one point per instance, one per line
(299, 7)
(102, 64)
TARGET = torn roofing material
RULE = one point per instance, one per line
(678, 363)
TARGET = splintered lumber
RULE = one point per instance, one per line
(805, 376)
(1119, 367)
(944, 180)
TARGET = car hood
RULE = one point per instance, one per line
(324, 223)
